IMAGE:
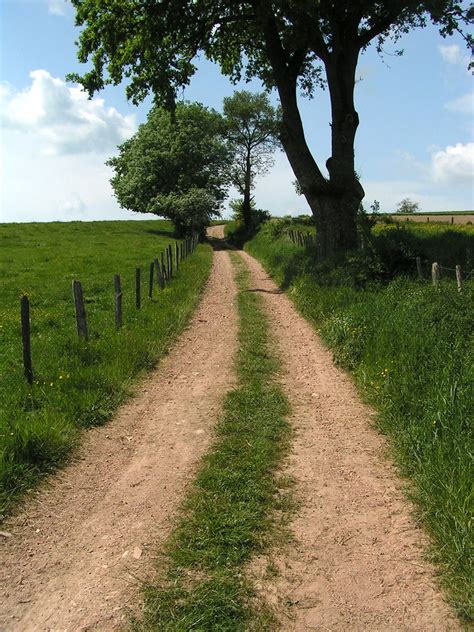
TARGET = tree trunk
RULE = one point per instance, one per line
(334, 202)
(246, 204)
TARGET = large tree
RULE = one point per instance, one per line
(175, 167)
(252, 130)
(288, 44)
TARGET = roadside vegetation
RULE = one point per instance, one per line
(229, 514)
(78, 384)
(410, 350)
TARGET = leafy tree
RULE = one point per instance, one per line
(252, 132)
(175, 168)
(408, 206)
(288, 44)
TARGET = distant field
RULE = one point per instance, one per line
(78, 383)
(456, 217)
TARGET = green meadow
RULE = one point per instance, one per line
(410, 349)
(78, 383)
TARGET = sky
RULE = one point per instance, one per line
(415, 137)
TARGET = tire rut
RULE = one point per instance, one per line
(80, 548)
(356, 562)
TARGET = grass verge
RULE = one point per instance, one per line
(410, 349)
(79, 384)
(229, 514)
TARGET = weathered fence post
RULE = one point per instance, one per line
(163, 268)
(169, 250)
(177, 255)
(435, 274)
(452, 220)
(118, 301)
(459, 278)
(26, 338)
(81, 321)
(159, 274)
(138, 292)
(150, 281)
(419, 268)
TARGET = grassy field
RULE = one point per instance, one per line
(410, 350)
(228, 516)
(76, 383)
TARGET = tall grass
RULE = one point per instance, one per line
(76, 383)
(410, 349)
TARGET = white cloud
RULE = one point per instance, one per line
(452, 54)
(463, 104)
(74, 205)
(455, 164)
(57, 7)
(63, 118)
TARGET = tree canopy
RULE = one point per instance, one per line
(287, 44)
(176, 168)
(252, 130)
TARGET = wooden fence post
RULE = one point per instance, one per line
(150, 282)
(163, 267)
(159, 274)
(118, 301)
(170, 261)
(26, 338)
(138, 294)
(81, 321)
(452, 220)
(435, 274)
(177, 255)
(459, 278)
(419, 268)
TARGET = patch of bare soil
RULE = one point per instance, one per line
(79, 549)
(356, 562)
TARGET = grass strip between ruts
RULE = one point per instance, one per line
(230, 512)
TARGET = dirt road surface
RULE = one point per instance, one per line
(356, 561)
(78, 551)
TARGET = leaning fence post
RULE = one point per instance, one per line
(118, 301)
(459, 278)
(26, 338)
(419, 268)
(138, 297)
(435, 274)
(81, 321)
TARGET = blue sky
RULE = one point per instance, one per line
(415, 137)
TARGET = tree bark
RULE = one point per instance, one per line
(334, 201)
(246, 204)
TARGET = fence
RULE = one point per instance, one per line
(161, 272)
(308, 240)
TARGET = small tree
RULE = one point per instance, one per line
(252, 132)
(175, 167)
(407, 206)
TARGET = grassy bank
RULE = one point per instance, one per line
(227, 517)
(76, 383)
(410, 349)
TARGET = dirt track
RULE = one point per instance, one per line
(77, 552)
(356, 560)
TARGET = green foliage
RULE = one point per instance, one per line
(287, 45)
(407, 206)
(240, 231)
(410, 350)
(175, 168)
(252, 129)
(77, 383)
(228, 515)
